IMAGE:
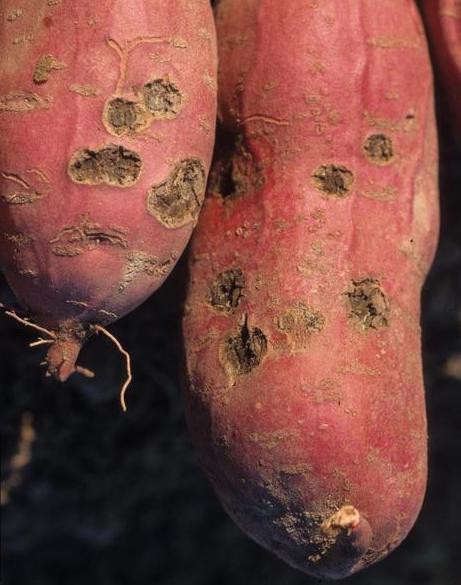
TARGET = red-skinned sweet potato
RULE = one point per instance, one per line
(304, 386)
(107, 113)
(443, 23)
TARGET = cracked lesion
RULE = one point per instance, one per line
(87, 235)
(19, 197)
(378, 149)
(368, 304)
(110, 165)
(226, 290)
(162, 98)
(15, 190)
(333, 180)
(177, 201)
(244, 350)
(139, 262)
(18, 102)
(122, 116)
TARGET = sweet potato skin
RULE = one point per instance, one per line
(443, 24)
(107, 113)
(304, 387)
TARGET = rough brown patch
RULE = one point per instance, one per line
(271, 439)
(45, 65)
(20, 197)
(23, 39)
(141, 263)
(74, 240)
(17, 191)
(300, 323)
(177, 201)
(162, 98)
(27, 272)
(326, 390)
(298, 469)
(244, 350)
(14, 14)
(19, 239)
(226, 290)
(368, 303)
(22, 101)
(378, 149)
(111, 165)
(407, 124)
(393, 43)
(381, 194)
(333, 180)
(85, 89)
(123, 116)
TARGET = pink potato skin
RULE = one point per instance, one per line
(443, 23)
(304, 388)
(75, 250)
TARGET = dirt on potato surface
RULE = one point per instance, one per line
(90, 495)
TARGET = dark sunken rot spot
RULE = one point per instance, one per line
(162, 98)
(123, 116)
(226, 291)
(378, 149)
(177, 201)
(333, 180)
(234, 172)
(111, 165)
(368, 304)
(245, 350)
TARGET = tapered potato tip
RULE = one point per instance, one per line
(350, 536)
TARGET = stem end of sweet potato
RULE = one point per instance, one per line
(62, 357)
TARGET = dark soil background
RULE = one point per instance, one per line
(96, 497)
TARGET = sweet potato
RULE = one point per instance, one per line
(302, 338)
(443, 23)
(107, 113)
